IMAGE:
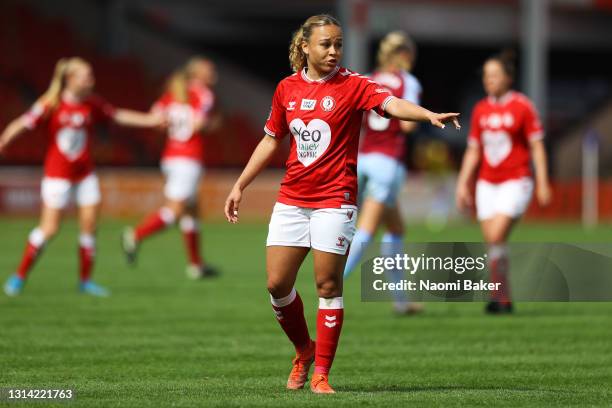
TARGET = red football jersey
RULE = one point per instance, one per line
(502, 129)
(182, 140)
(70, 129)
(324, 117)
(384, 135)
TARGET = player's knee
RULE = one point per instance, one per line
(277, 288)
(329, 288)
(496, 238)
(49, 230)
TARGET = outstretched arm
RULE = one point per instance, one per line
(127, 117)
(259, 160)
(14, 129)
(404, 110)
(540, 163)
(471, 160)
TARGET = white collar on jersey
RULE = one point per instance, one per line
(502, 100)
(320, 80)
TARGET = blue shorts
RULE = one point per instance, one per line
(380, 178)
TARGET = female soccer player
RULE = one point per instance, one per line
(69, 111)
(381, 170)
(321, 105)
(187, 104)
(505, 133)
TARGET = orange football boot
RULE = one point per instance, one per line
(301, 366)
(320, 385)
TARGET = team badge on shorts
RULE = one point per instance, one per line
(340, 243)
(328, 103)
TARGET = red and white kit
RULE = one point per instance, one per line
(182, 156)
(324, 117)
(502, 128)
(69, 168)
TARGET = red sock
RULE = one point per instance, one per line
(290, 314)
(33, 248)
(87, 251)
(154, 223)
(191, 236)
(27, 261)
(329, 325)
(499, 274)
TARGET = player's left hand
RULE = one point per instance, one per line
(439, 119)
(543, 194)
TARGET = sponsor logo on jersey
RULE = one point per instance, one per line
(328, 103)
(308, 104)
(497, 146)
(311, 140)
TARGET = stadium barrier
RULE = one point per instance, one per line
(135, 192)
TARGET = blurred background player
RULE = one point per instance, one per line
(69, 111)
(187, 104)
(505, 134)
(322, 106)
(380, 167)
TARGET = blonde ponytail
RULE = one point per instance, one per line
(177, 86)
(64, 66)
(297, 58)
(391, 45)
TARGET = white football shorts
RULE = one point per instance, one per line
(182, 178)
(57, 192)
(509, 198)
(324, 229)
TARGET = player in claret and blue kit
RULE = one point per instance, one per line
(505, 134)
(69, 112)
(321, 107)
(380, 168)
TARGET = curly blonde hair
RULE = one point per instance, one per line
(297, 58)
(392, 44)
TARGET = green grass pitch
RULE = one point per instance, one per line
(162, 340)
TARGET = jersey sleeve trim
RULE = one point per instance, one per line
(383, 105)
(33, 116)
(269, 132)
(538, 135)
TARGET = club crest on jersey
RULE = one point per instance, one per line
(308, 104)
(328, 103)
(311, 140)
(291, 106)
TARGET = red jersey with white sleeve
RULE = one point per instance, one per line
(324, 118)
(384, 135)
(503, 128)
(70, 128)
(183, 141)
